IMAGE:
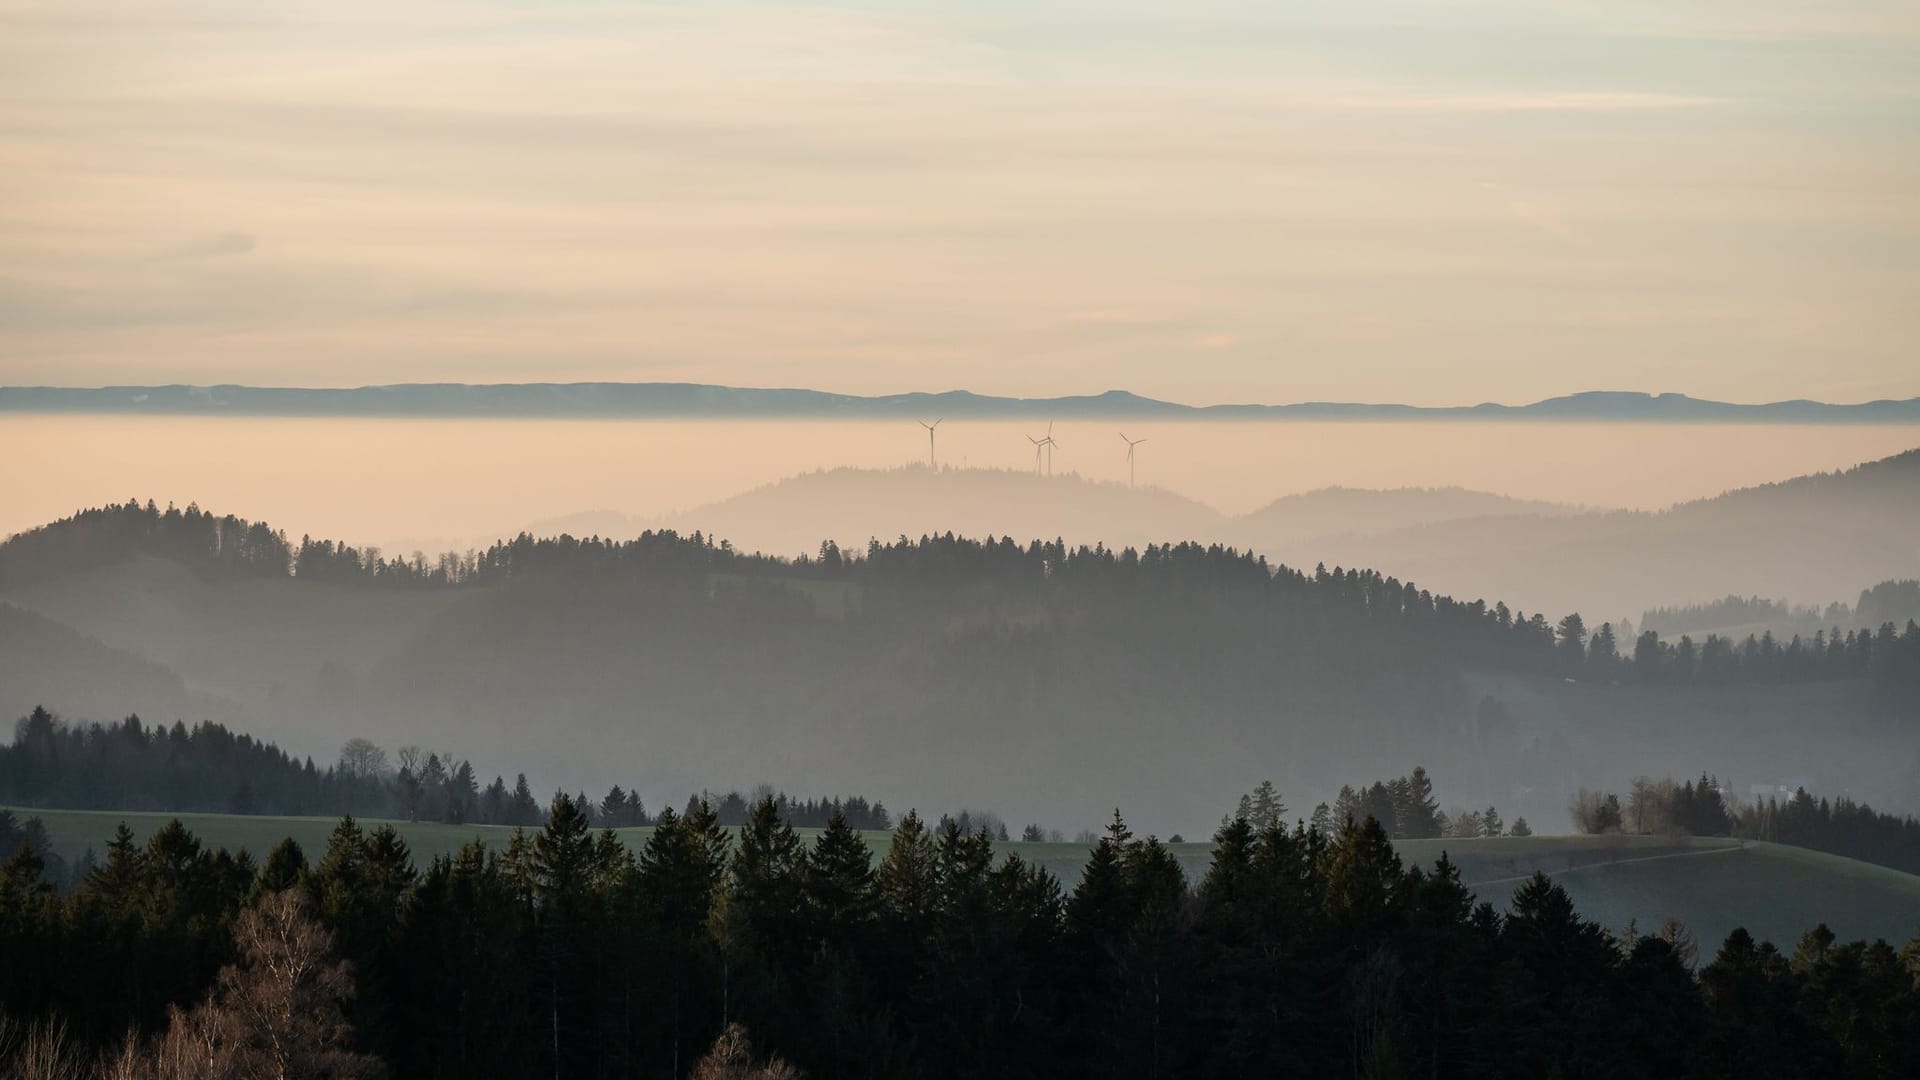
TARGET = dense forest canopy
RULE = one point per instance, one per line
(207, 768)
(566, 954)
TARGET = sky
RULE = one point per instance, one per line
(1207, 201)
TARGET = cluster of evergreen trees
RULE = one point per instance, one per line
(1404, 806)
(1842, 826)
(1297, 954)
(1700, 808)
(733, 808)
(209, 769)
(203, 769)
(1889, 656)
(1896, 602)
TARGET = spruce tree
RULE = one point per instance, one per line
(839, 884)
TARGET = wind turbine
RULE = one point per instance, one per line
(1131, 443)
(932, 462)
(1039, 447)
(1049, 444)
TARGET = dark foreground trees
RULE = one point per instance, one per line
(1298, 953)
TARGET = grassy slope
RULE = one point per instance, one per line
(1709, 885)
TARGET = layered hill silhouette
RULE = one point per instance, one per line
(1813, 539)
(851, 506)
(1037, 679)
(49, 659)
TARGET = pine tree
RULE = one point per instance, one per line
(1419, 816)
(1364, 883)
(285, 867)
(613, 808)
(906, 877)
(1101, 907)
(523, 809)
(760, 922)
(1347, 806)
(839, 883)
(564, 868)
(1490, 823)
(1267, 809)
(1228, 885)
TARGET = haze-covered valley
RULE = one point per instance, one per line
(1030, 679)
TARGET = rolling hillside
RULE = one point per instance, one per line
(42, 659)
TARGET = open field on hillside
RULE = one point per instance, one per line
(1709, 885)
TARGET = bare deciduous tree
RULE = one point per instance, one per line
(1647, 804)
(732, 1059)
(411, 757)
(1463, 823)
(1595, 811)
(360, 757)
(39, 1051)
(275, 1015)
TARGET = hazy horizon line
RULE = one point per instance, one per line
(613, 399)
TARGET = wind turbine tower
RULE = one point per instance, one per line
(932, 461)
(1131, 443)
(1049, 444)
(1039, 448)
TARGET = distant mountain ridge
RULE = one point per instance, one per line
(851, 505)
(1813, 538)
(694, 400)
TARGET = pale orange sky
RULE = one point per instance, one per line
(1215, 201)
(439, 485)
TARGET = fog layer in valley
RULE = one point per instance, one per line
(434, 484)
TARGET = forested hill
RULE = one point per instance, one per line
(1037, 677)
(1462, 632)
